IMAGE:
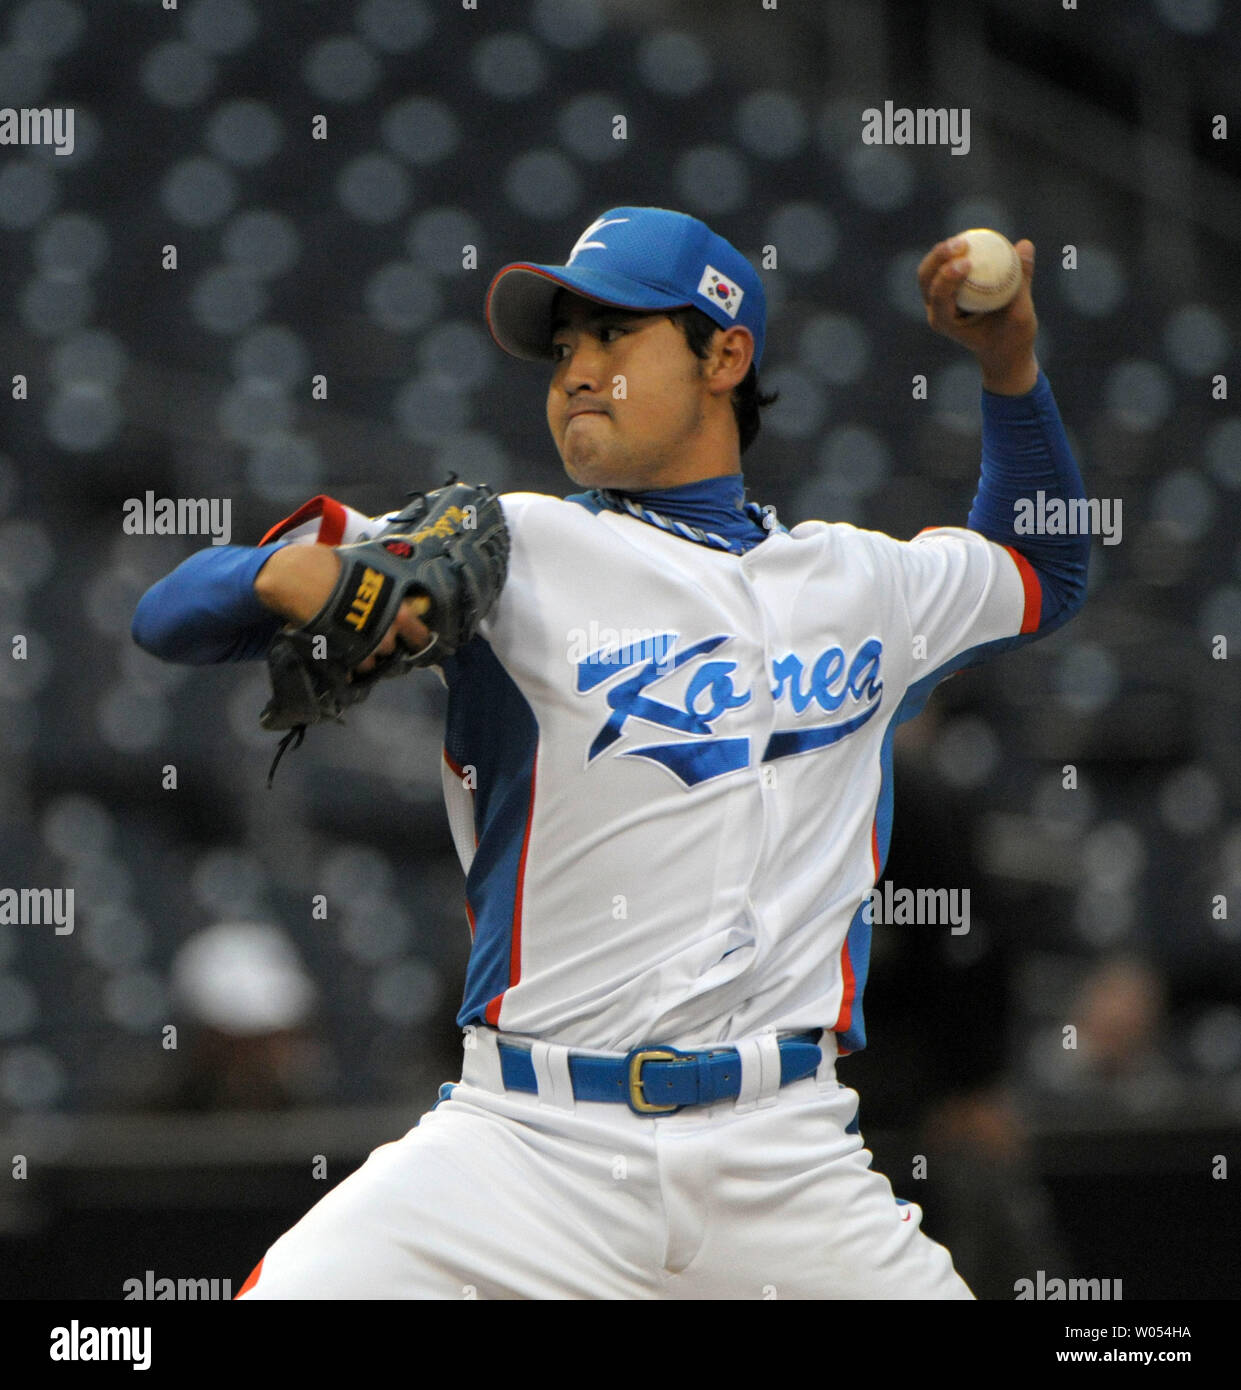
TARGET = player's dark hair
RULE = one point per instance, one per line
(747, 399)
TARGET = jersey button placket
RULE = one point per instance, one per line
(765, 772)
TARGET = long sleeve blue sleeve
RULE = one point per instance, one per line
(206, 610)
(1025, 450)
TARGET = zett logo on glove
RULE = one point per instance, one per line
(368, 591)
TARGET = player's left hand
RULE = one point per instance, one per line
(407, 631)
(1003, 340)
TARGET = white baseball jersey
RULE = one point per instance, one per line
(668, 767)
(667, 770)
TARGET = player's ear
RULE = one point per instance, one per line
(732, 352)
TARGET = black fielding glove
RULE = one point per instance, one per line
(449, 548)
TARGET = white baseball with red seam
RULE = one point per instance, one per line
(994, 276)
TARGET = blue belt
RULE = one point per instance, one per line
(660, 1080)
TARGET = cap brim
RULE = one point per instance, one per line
(519, 302)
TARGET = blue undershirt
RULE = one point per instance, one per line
(206, 611)
(712, 504)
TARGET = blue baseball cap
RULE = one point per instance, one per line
(632, 258)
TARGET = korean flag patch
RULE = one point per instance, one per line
(721, 291)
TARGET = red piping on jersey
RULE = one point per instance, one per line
(332, 524)
(492, 1012)
(845, 1017)
(251, 1281)
(332, 518)
(1033, 613)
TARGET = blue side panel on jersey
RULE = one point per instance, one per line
(491, 727)
(854, 1037)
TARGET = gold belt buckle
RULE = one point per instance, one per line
(637, 1098)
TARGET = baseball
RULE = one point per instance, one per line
(994, 274)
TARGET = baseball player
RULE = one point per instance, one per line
(667, 770)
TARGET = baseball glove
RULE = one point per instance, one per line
(449, 548)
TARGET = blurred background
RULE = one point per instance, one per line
(303, 1042)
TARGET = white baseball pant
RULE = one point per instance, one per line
(504, 1194)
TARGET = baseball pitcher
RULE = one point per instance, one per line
(667, 771)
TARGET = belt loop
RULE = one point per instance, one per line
(760, 1071)
(769, 1068)
(551, 1071)
(825, 1074)
(751, 1075)
(480, 1064)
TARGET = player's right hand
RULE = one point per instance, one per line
(1003, 341)
(298, 580)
